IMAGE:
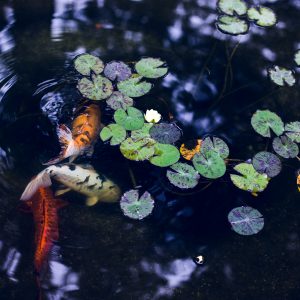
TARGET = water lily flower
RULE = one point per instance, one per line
(152, 116)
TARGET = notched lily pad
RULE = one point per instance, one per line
(292, 130)
(117, 70)
(264, 120)
(184, 177)
(165, 133)
(165, 155)
(132, 119)
(267, 163)
(118, 100)
(116, 133)
(297, 58)
(246, 220)
(134, 86)
(86, 63)
(142, 133)
(285, 147)
(215, 144)
(135, 207)
(282, 76)
(262, 16)
(151, 67)
(232, 7)
(232, 25)
(209, 164)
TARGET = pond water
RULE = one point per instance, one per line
(215, 84)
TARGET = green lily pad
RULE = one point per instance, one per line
(132, 119)
(116, 133)
(134, 86)
(142, 133)
(264, 120)
(85, 63)
(137, 150)
(165, 133)
(246, 220)
(262, 16)
(209, 164)
(165, 155)
(135, 207)
(297, 58)
(117, 70)
(285, 147)
(215, 144)
(151, 67)
(282, 76)
(118, 100)
(98, 88)
(292, 130)
(251, 180)
(185, 177)
(232, 7)
(267, 163)
(232, 25)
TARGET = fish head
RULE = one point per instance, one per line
(110, 192)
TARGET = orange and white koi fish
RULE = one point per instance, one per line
(85, 129)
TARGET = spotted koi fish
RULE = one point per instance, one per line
(85, 129)
(83, 179)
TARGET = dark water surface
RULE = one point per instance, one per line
(215, 84)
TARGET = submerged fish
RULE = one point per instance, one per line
(82, 179)
(85, 129)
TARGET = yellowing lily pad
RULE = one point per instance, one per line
(134, 86)
(132, 119)
(151, 67)
(262, 16)
(116, 133)
(86, 63)
(165, 155)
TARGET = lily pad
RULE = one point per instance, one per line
(134, 86)
(165, 133)
(190, 148)
(292, 130)
(85, 63)
(209, 164)
(142, 133)
(151, 67)
(297, 58)
(262, 16)
(267, 163)
(132, 119)
(215, 144)
(246, 220)
(137, 150)
(135, 207)
(251, 180)
(116, 133)
(282, 76)
(118, 100)
(117, 70)
(285, 147)
(264, 120)
(232, 25)
(231, 7)
(98, 88)
(185, 177)
(165, 155)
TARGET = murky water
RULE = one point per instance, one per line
(215, 84)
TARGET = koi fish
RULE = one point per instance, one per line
(85, 129)
(82, 179)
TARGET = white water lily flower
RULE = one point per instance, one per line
(152, 116)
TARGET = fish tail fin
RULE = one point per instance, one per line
(41, 180)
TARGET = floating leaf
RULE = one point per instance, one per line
(292, 130)
(232, 25)
(135, 207)
(85, 63)
(116, 133)
(215, 144)
(267, 163)
(185, 177)
(231, 7)
(142, 133)
(282, 76)
(250, 180)
(263, 16)
(137, 150)
(165, 155)
(246, 220)
(209, 164)
(118, 100)
(165, 133)
(190, 148)
(117, 70)
(134, 86)
(285, 147)
(132, 119)
(151, 67)
(297, 58)
(264, 120)
(98, 89)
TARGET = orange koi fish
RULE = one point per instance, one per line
(79, 140)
